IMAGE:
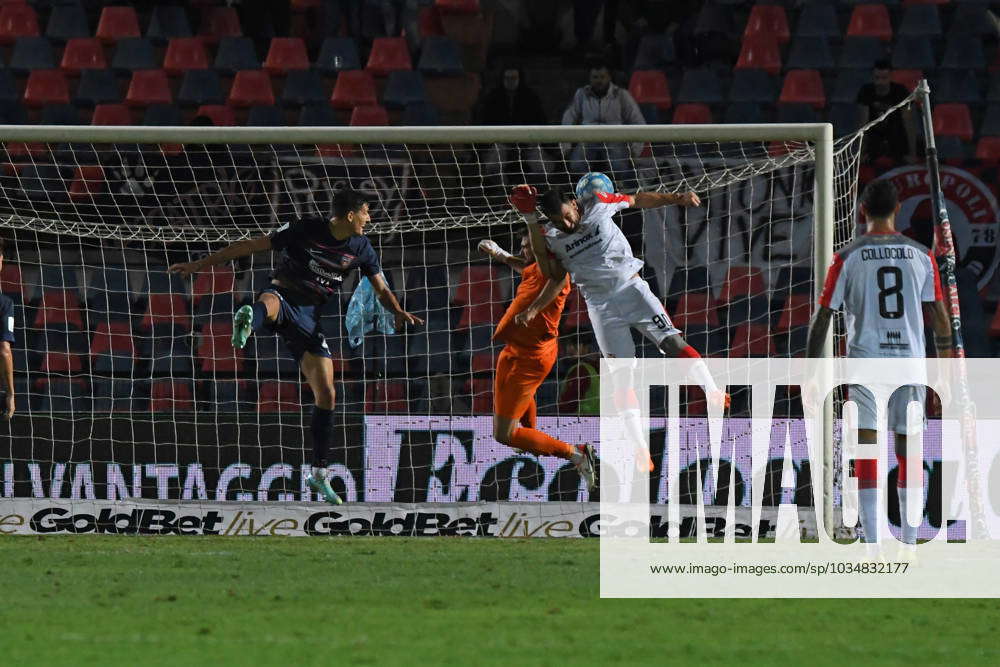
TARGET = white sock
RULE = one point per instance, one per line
(700, 374)
(318, 473)
(869, 518)
(633, 427)
(909, 534)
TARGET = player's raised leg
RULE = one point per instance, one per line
(248, 319)
(318, 371)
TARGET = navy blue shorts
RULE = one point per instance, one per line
(297, 325)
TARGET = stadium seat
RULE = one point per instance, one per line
(761, 53)
(286, 54)
(59, 308)
(219, 114)
(279, 397)
(457, 6)
(964, 52)
(796, 312)
(420, 114)
(31, 53)
(88, 180)
(117, 395)
(46, 86)
(953, 120)
(304, 86)
(575, 314)
(148, 87)
(767, 20)
(229, 395)
(215, 349)
(67, 22)
(692, 113)
(199, 87)
(17, 20)
(108, 288)
(847, 85)
(62, 395)
(803, 86)
(695, 309)
(236, 54)
(388, 54)
(913, 53)
(183, 54)
(650, 87)
(167, 396)
(957, 86)
(369, 115)
(908, 78)
(167, 309)
(167, 22)
(8, 89)
(870, 20)
(713, 18)
(219, 22)
(338, 54)
(161, 115)
(214, 308)
(952, 150)
(402, 88)
(701, 85)
(988, 149)
(753, 85)
(113, 348)
(480, 295)
(10, 279)
(251, 88)
(353, 88)
(11, 111)
(59, 114)
(818, 19)
(482, 395)
(655, 51)
(318, 115)
(97, 86)
(861, 52)
(845, 118)
(83, 53)
(741, 281)
(383, 397)
(216, 280)
(747, 112)
(133, 53)
(272, 357)
(971, 19)
(752, 340)
(441, 56)
(920, 21)
(810, 53)
(266, 116)
(117, 23)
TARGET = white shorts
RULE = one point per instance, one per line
(900, 398)
(632, 306)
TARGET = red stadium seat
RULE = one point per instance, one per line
(484, 362)
(46, 86)
(382, 396)
(768, 21)
(995, 325)
(650, 87)
(185, 53)
(389, 54)
(692, 114)
(429, 22)
(61, 362)
(953, 120)
(908, 78)
(88, 180)
(575, 314)
(148, 87)
(17, 20)
(216, 280)
(279, 397)
(760, 53)
(111, 114)
(220, 114)
(285, 54)
(370, 114)
(170, 396)
(695, 308)
(988, 149)
(870, 21)
(59, 308)
(216, 350)
(219, 22)
(83, 53)
(741, 281)
(117, 23)
(167, 309)
(482, 395)
(457, 6)
(795, 312)
(480, 295)
(803, 86)
(752, 340)
(10, 279)
(251, 88)
(113, 337)
(353, 88)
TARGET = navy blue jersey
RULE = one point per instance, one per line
(6, 319)
(313, 263)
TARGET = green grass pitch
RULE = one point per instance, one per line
(86, 600)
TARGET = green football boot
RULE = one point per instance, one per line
(241, 326)
(322, 487)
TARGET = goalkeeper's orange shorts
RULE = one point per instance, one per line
(519, 373)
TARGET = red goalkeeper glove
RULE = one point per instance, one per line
(524, 198)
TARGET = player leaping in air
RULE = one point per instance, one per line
(888, 286)
(529, 330)
(316, 253)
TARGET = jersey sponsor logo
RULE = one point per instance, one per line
(320, 270)
(583, 239)
(972, 212)
(894, 340)
(892, 252)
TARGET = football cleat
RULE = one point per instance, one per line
(242, 319)
(586, 466)
(322, 487)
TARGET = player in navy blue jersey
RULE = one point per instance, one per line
(315, 255)
(6, 338)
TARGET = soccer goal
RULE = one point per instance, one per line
(135, 413)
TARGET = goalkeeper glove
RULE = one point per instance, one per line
(490, 247)
(524, 198)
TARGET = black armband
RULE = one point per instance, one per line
(942, 342)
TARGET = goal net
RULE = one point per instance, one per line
(129, 392)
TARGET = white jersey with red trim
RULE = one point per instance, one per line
(881, 281)
(596, 254)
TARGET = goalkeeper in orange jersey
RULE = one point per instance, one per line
(530, 330)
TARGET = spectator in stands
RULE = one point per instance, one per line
(896, 137)
(602, 103)
(580, 389)
(6, 338)
(512, 102)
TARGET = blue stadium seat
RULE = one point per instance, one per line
(133, 53)
(67, 22)
(8, 88)
(957, 86)
(920, 20)
(810, 53)
(168, 355)
(60, 114)
(655, 51)
(167, 22)
(264, 116)
(395, 355)
(913, 53)
(61, 395)
(953, 148)
(201, 86)
(848, 83)
(159, 281)
(861, 52)
(236, 54)
(440, 55)
(97, 86)
(32, 53)
(272, 357)
(753, 85)
(214, 307)
(421, 113)
(11, 111)
(818, 20)
(651, 113)
(119, 394)
(163, 115)
(963, 52)
(109, 282)
(701, 85)
(402, 88)
(318, 115)
(797, 113)
(845, 117)
(338, 54)
(304, 86)
(231, 395)
(746, 112)
(713, 18)
(972, 19)
(990, 126)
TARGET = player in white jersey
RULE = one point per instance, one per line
(887, 285)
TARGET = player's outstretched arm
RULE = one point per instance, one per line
(544, 298)
(7, 371)
(227, 254)
(492, 249)
(524, 199)
(658, 199)
(817, 332)
(388, 299)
